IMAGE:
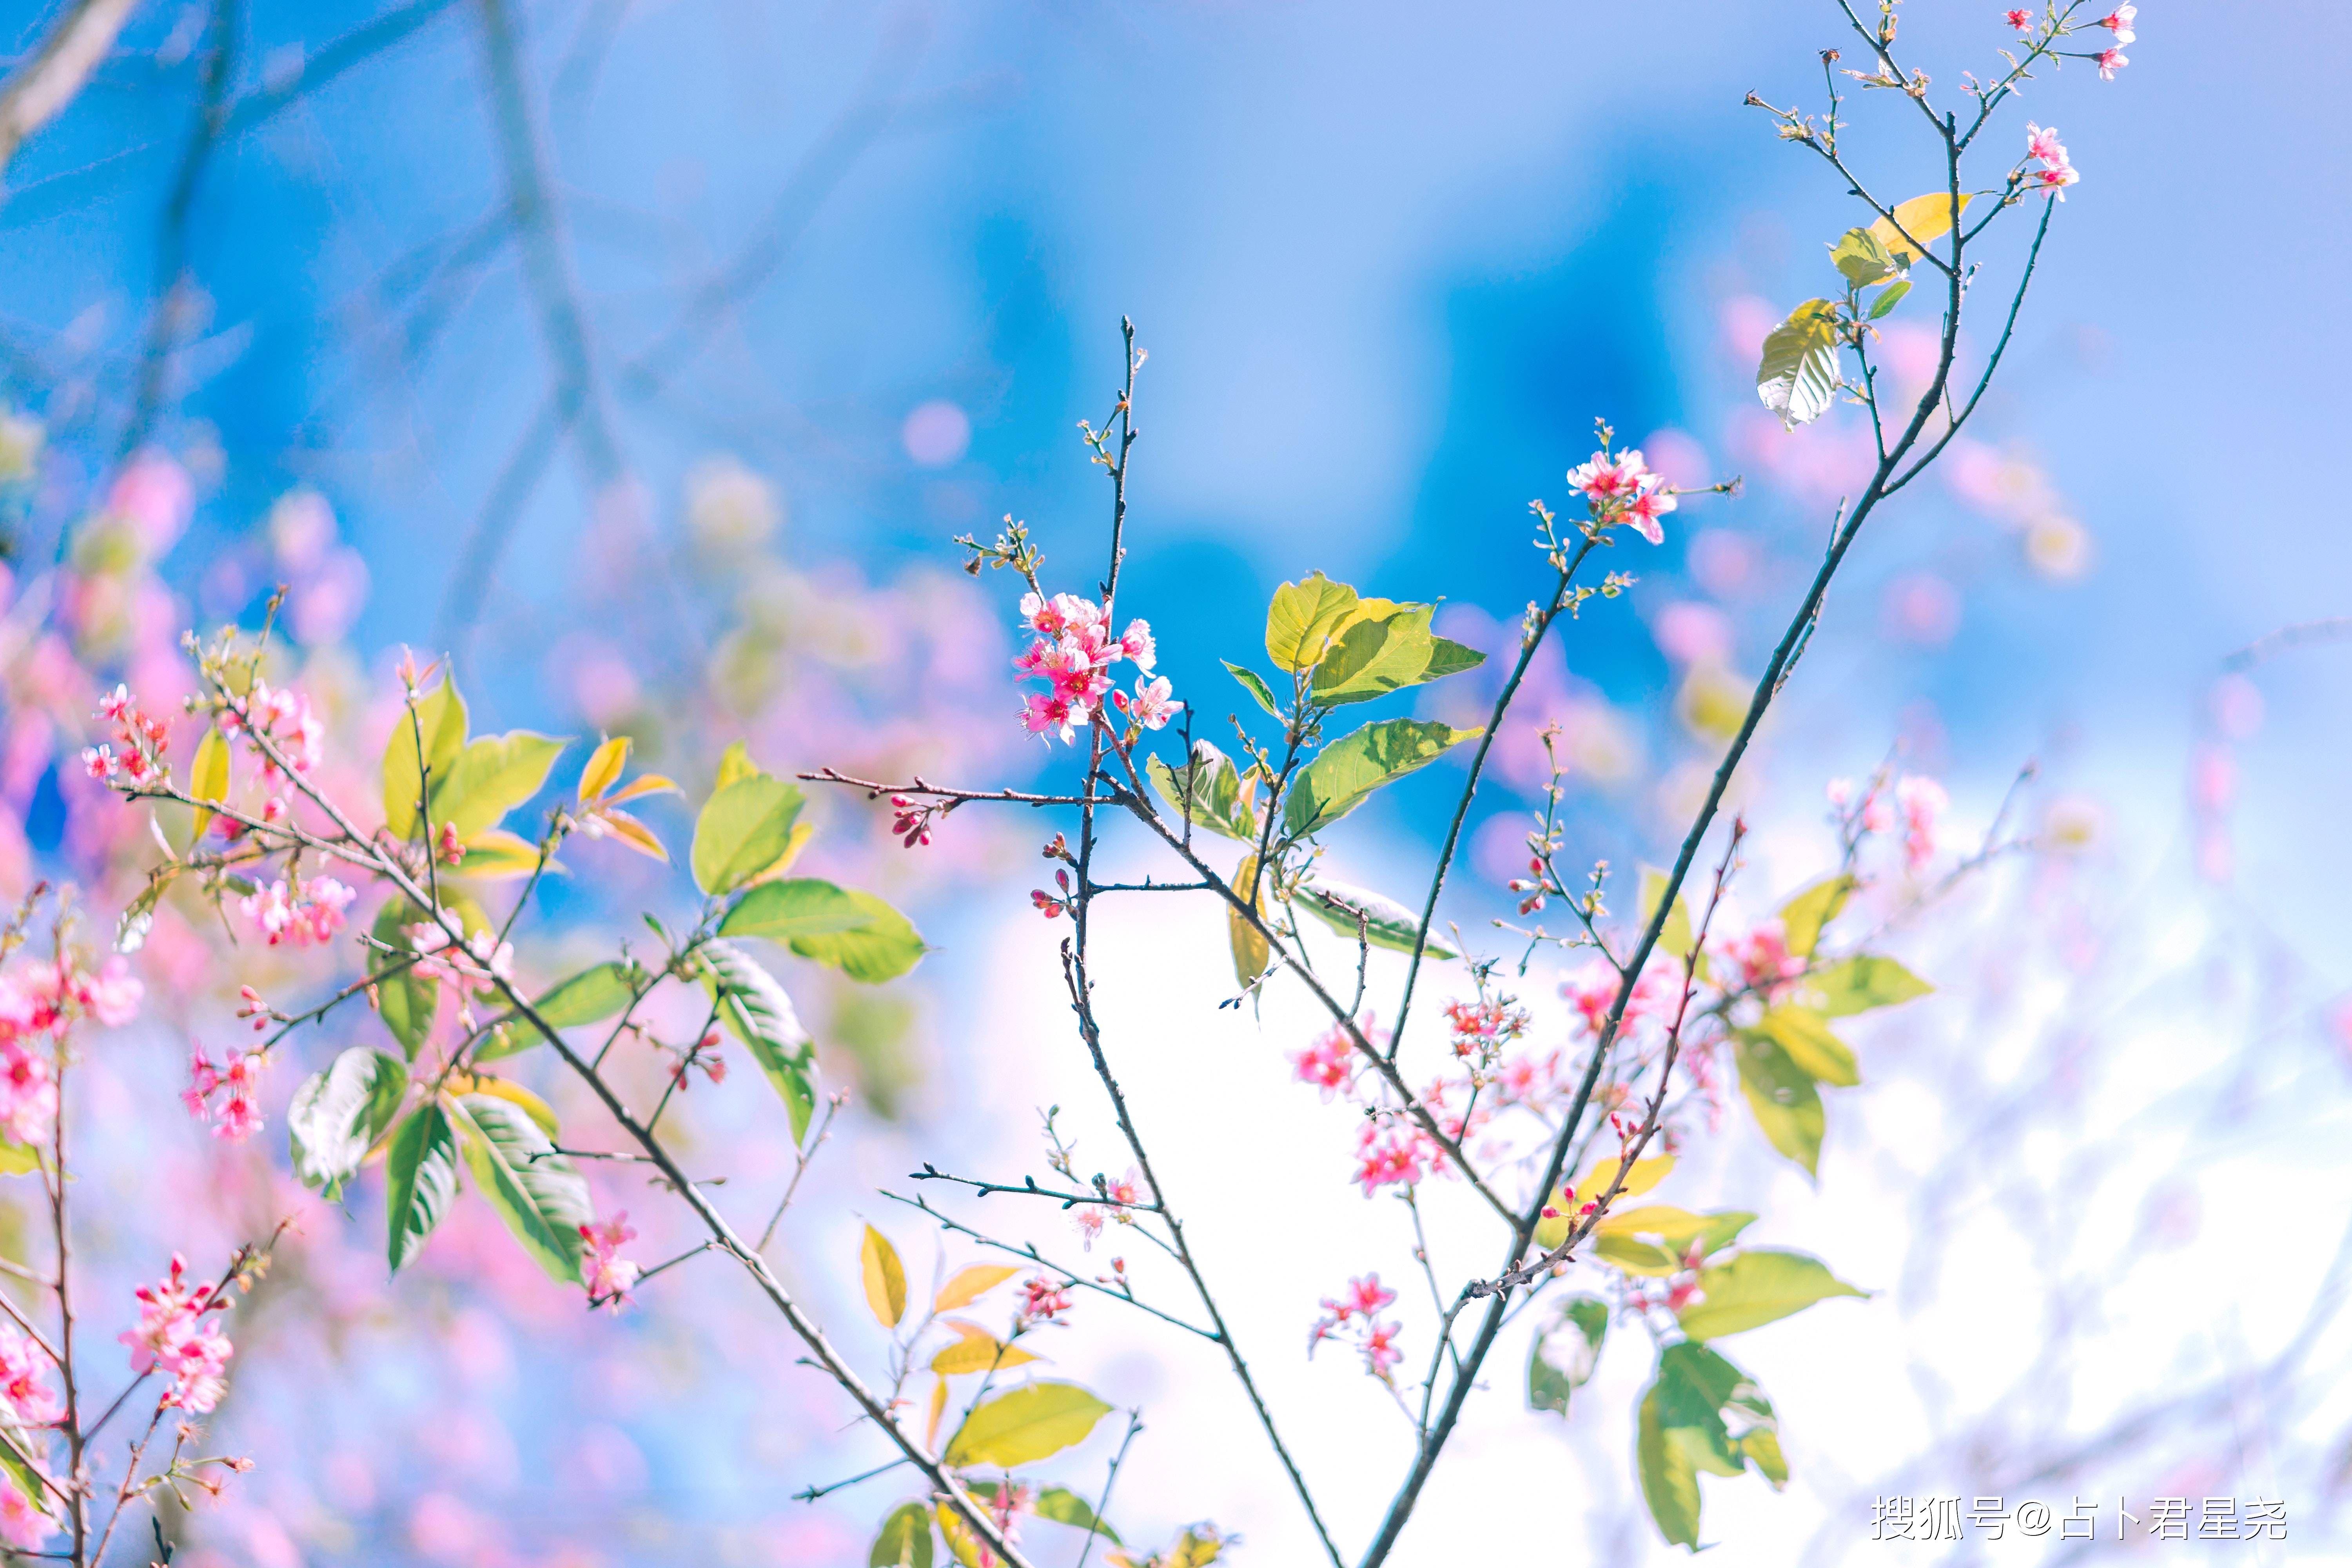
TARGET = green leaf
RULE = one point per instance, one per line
(420, 1179)
(1025, 1424)
(758, 1011)
(1676, 938)
(1063, 1506)
(1669, 1483)
(1798, 377)
(744, 828)
(1563, 1356)
(18, 1159)
(1694, 1384)
(1652, 1240)
(884, 946)
(1861, 984)
(440, 724)
(1351, 768)
(1386, 648)
(539, 1194)
(337, 1115)
(905, 1541)
(1756, 1288)
(1220, 802)
(407, 1001)
(1254, 684)
(1889, 297)
(1806, 1035)
(1304, 619)
(208, 775)
(1803, 917)
(16, 1461)
(1923, 218)
(1781, 1097)
(492, 776)
(590, 996)
(1386, 923)
(1762, 1446)
(804, 906)
(1861, 259)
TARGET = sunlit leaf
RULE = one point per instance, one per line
(405, 1001)
(420, 1179)
(1254, 684)
(1252, 954)
(492, 776)
(538, 1193)
(1304, 619)
(1386, 646)
(17, 1462)
(18, 1159)
(1810, 1043)
(591, 996)
(1762, 1446)
(208, 775)
(885, 1278)
(1588, 1189)
(542, 1114)
(438, 730)
(1025, 1424)
(604, 769)
(1861, 259)
(1888, 297)
(1863, 982)
(1384, 922)
(1345, 773)
(1923, 219)
(976, 1350)
(882, 946)
(1653, 1240)
(644, 784)
(1754, 1287)
(1781, 1097)
(1219, 796)
(494, 855)
(1063, 1506)
(970, 1283)
(735, 764)
(1669, 1483)
(742, 831)
(1676, 938)
(336, 1116)
(1564, 1355)
(1798, 376)
(757, 1011)
(1803, 916)
(905, 1541)
(804, 906)
(635, 834)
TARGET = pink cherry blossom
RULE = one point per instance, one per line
(28, 1095)
(1645, 510)
(174, 1337)
(2041, 142)
(1152, 706)
(2110, 62)
(299, 914)
(1394, 1155)
(1381, 1352)
(481, 960)
(1921, 800)
(236, 1087)
(98, 762)
(606, 1274)
(2021, 20)
(26, 1397)
(1762, 958)
(22, 1525)
(1137, 644)
(1329, 1063)
(2120, 22)
(1040, 713)
(1044, 1300)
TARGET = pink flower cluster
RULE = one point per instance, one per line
(42, 999)
(2021, 19)
(22, 1525)
(1126, 1190)
(1482, 1028)
(299, 914)
(234, 1085)
(2118, 22)
(1591, 991)
(1043, 1299)
(1353, 1319)
(144, 741)
(472, 966)
(607, 1275)
(1399, 1153)
(2057, 170)
(1622, 488)
(26, 1397)
(1073, 654)
(1761, 958)
(1918, 803)
(1329, 1063)
(286, 718)
(176, 1336)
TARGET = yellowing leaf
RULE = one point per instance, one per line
(969, 1284)
(1305, 618)
(1252, 953)
(735, 763)
(976, 1350)
(905, 1541)
(1025, 1424)
(1924, 219)
(1806, 1035)
(884, 1277)
(1758, 1288)
(495, 855)
(1803, 917)
(1781, 1097)
(208, 775)
(1588, 1189)
(645, 784)
(635, 835)
(604, 769)
(537, 1109)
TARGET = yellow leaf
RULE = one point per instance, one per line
(1305, 618)
(537, 1109)
(604, 769)
(635, 834)
(1588, 1189)
(802, 833)
(495, 855)
(644, 784)
(939, 1408)
(1027, 1424)
(208, 775)
(1252, 955)
(886, 1278)
(1924, 218)
(735, 763)
(969, 1284)
(976, 1350)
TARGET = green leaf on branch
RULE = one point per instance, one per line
(1220, 797)
(1669, 1483)
(1756, 1288)
(1798, 377)
(1889, 297)
(804, 906)
(1762, 1446)
(1386, 923)
(882, 946)
(1063, 1506)
(1653, 1240)
(440, 724)
(1683, 1430)
(744, 828)
(494, 855)
(406, 1001)
(492, 776)
(1025, 1424)
(1304, 619)
(538, 1193)
(590, 996)
(1563, 1356)
(1254, 684)
(1805, 1035)
(756, 1010)
(337, 1115)
(734, 764)
(1803, 917)
(208, 776)
(1859, 985)
(1861, 259)
(1386, 646)
(1345, 773)
(905, 1541)
(1924, 219)
(420, 1179)
(1781, 1097)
